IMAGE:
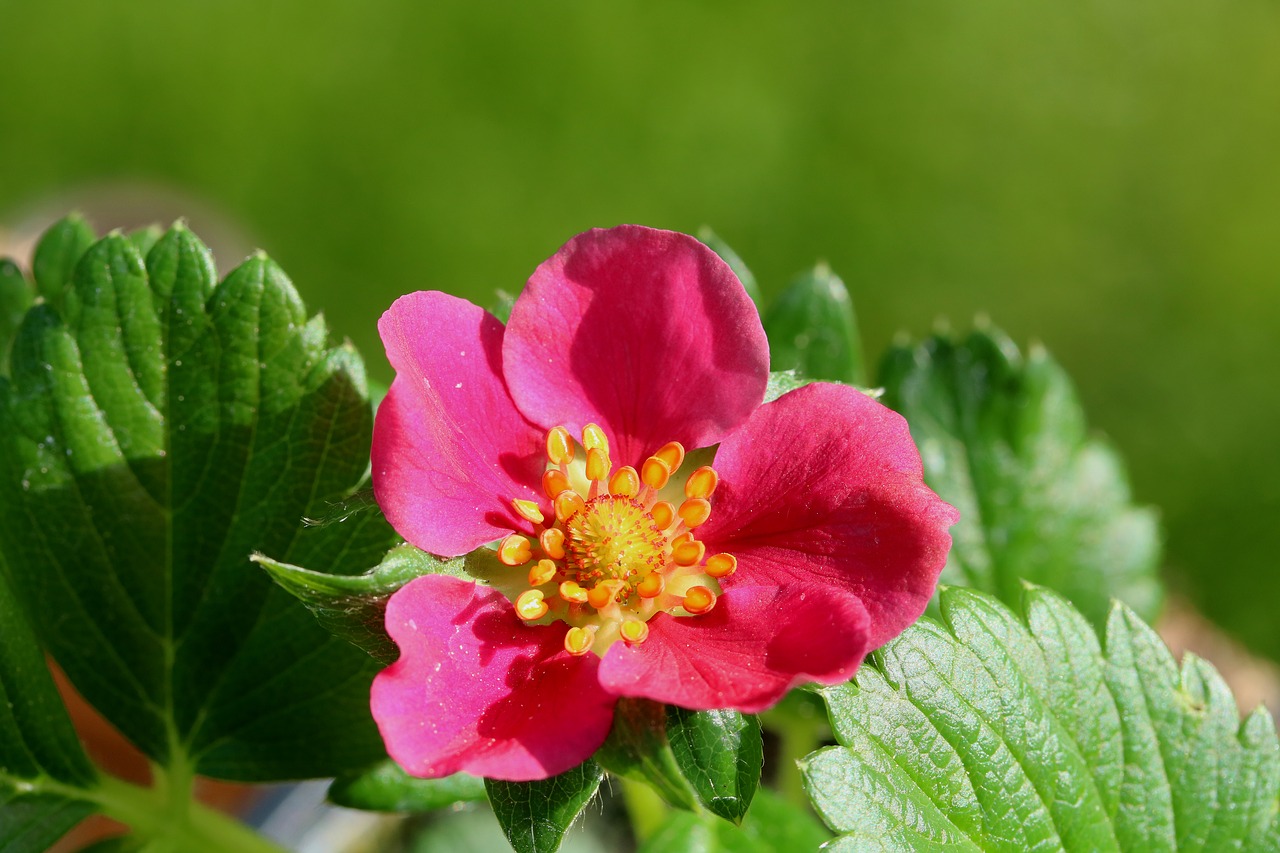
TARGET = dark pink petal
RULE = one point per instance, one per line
(756, 644)
(450, 450)
(823, 487)
(477, 690)
(647, 333)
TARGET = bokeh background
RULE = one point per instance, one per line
(1101, 176)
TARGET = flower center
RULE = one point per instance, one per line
(616, 550)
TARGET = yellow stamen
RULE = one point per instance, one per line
(634, 631)
(572, 593)
(544, 571)
(695, 512)
(598, 464)
(552, 542)
(593, 438)
(701, 483)
(651, 586)
(554, 482)
(568, 503)
(625, 481)
(672, 453)
(721, 565)
(528, 510)
(601, 595)
(655, 472)
(515, 550)
(663, 514)
(577, 641)
(688, 553)
(699, 600)
(559, 446)
(530, 605)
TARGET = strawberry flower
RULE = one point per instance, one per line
(661, 534)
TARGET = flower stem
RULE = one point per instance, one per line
(647, 810)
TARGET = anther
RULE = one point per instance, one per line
(688, 553)
(663, 514)
(572, 593)
(671, 453)
(634, 631)
(552, 542)
(601, 595)
(598, 464)
(625, 482)
(554, 482)
(721, 565)
(695, 511)
(568, 503)
(559, 446)
(655, 472)
(528, 510)
(577, 641)
(651, 586)
(542, 572)
(515, 550)
(699, 600)
(701, 483)
(530, 605)
(593, 438)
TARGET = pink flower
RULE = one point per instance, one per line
(627, 567)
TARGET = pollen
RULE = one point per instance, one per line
(611, 554)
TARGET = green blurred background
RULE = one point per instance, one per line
(1101, 176)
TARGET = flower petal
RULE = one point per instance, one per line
(823, 487)
(756, 644)
(647, 333)
(450, 450)
(477, 690)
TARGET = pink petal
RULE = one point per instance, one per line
(450, 450)
(477, 690)
(646, 332)
(823, 487)
(756, 644)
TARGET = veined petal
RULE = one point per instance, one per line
(450, 450)
(477, 690)
(758, 643)
(647, 333)
(823, 487)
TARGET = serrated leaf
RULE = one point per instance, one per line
(42, 765)
(16, 297)
(353, 607)
(145, 239)
(535, 815)
(1003, 439)
(812, 329)
(994, 732)
(637, 748)
(385, 787)
(735, 262)
(771, 826)
(56, 255)
(157, 431)
(721, 754)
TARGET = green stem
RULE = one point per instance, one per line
(647, 810)
(796, 739)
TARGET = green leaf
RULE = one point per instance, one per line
(1004, 440)
(771, 826)
(56, 255)
(721, 754)
(16, 297)
(730, 257)
(42, 766)
(159, 428)
(535, 815)
(385, 787)
(999, 733)
(145, 239)
(353, 606)
(637, 748)
(812, 329)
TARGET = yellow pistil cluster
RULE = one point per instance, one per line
(617, 549)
